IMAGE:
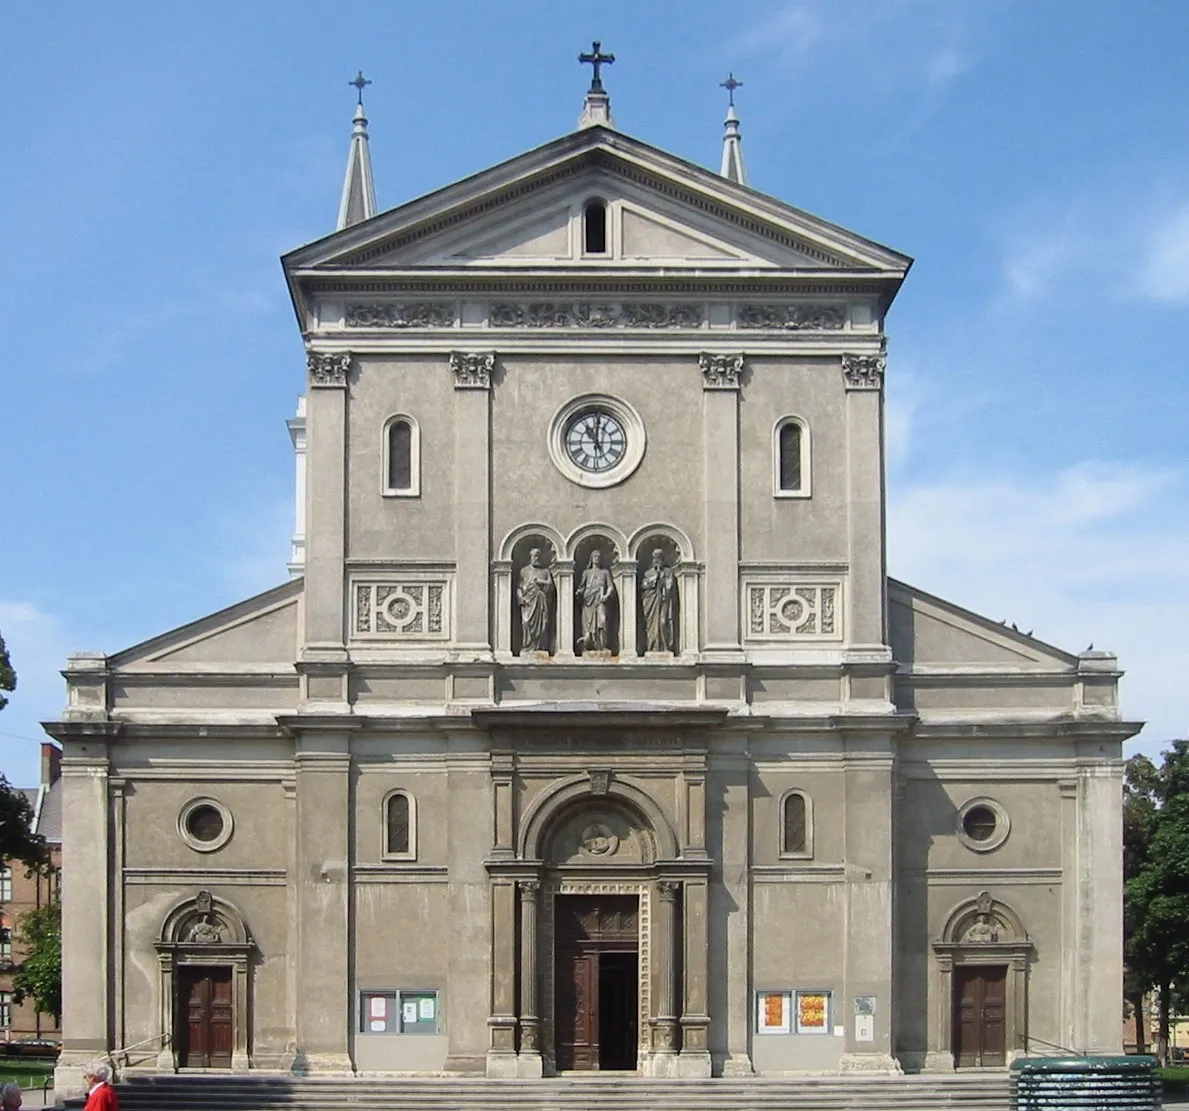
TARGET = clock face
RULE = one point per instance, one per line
(595, 440)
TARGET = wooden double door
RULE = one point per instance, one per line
(980, 1016)
(205, 1026)
(596, 1011)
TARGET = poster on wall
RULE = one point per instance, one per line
(378, 1007)
(425, 1009)
(813, 1012)
(773, 1012)
(409, 1011)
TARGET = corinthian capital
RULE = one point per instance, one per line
(720, 372)
(864, 372)
(472, 369)
(328, 368)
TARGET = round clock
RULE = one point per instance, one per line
(595, 440)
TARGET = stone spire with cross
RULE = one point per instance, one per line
(359, 191)
(732, 148)
(596, 109)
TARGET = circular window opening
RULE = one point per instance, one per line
(979, 823)
(205, 823)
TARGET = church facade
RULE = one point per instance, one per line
(590, 733)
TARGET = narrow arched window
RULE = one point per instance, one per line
(400, 825)
(595, 228)
(795, 825)
(790, 449)
(402, 457)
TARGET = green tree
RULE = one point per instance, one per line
(17, 839)
(1156, 860)
(39, 975)
(1140, 806)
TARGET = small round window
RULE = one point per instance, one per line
(205, 824)
(982, 824)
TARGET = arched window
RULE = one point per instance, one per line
(790, 462)
(594, 228)
(402, 457)
(400, 825)
(5, 939)
(796, 825)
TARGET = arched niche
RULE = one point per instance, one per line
(598, 832)
(677, 554)
(206, 931)
(520, 555)
(984, 932)
(610, 554)
(565, 805)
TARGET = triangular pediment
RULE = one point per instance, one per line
(262, 630)
(926, 631)
(663, 212)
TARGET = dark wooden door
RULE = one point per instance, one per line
(980, 1018)
(206, 1018)
(577, 1010)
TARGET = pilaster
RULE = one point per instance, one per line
(563, 572)
(721, 379)
(663, 1061)
(625, 585)
(695, 1020)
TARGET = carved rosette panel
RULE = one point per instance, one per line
(788, 611)
(328, 368)
(472, 369)
(415, 610)
(864, 372)
(791, 318)
(420, 314)
(720, 372)
(589, 314)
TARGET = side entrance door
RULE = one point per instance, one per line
(980, 1016)
(205, 1028)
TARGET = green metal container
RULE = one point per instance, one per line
(1085, 1084)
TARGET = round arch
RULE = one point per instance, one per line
(685, 547)
(521, 532)
(551, 805)
(585, 532)
(1001, 917)
(204, 908)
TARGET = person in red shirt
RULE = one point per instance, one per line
(101, 1096)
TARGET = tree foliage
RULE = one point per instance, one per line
(17, 839)
(39, 975)
(1156, 871)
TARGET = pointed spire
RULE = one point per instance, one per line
(732, 148)
(596, 108)
(359, 191)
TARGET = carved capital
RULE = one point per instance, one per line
(529, 889)
(472, 369)
(864, 372)
(667, 890)
(720, 372)
(600, 781)
(328, 368)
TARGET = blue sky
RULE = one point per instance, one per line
(1031, 157)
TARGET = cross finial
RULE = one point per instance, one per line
(596, 58)
(360, 82)
(730, 84)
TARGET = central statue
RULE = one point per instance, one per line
(594, 590)
(536, 593)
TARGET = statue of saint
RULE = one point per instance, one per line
(982, 930)
(658, 594)
(205, 932)
(593, 591)
(535, 594)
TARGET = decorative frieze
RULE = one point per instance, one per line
(401, 610)
(864, 372)
(791, 611)
(720, 372)
(472, 369)
(791, 318)
(587, 314)
(418, 314)
(328, 368)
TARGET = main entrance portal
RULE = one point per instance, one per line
(597, 981)
(205, 1031)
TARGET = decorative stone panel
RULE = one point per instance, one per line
(792, 611)
(403, 609)
(421, 314)
(588, 314)
(791, 318)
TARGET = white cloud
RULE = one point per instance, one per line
(1163, 270)
(1086, 554)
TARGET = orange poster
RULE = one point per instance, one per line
(811, 1011)
(774, 1010)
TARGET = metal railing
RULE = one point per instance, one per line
(123, 1053)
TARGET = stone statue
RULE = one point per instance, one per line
(594, 590)
(205, 931)
(536, 594)
(658, 594)
(982, 930)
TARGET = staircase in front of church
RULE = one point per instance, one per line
(969, 1091)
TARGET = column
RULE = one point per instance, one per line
(695, 1022)
(731, 903)
(530, 1019)
(501, 1052)
(720, 438)
(863, 383)
(625, 584)
(664, 1022)
(472, 502)
(326, 519)
(324, 1012)
(86, 974)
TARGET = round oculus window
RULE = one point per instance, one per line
(982, 824)
(205, 824)
(595, 440)
(979, 822)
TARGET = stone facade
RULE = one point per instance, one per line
(431, 805)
